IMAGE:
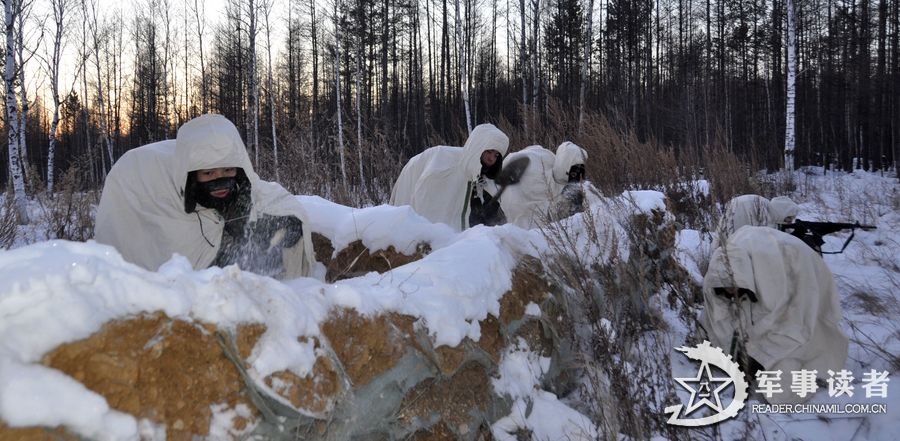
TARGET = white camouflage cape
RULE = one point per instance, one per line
(142, 210)
(796, 323)
(437, 182)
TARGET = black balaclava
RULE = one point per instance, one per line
(200, 192)
(576, 173)
(205, 189)
(493, 171)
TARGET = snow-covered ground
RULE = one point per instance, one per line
(55, 292)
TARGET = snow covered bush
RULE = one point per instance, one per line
(616, 271)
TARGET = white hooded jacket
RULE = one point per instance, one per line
(527, 204)
(142, 210)
(437, 182)
(568, 154)
(532, 201)
(796, 322)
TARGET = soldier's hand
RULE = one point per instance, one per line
(268, 226)
(293, 230)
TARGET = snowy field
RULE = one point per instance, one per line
(54, 292)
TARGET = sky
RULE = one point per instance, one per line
(214, 13)
(40, 40)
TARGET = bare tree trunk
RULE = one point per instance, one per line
(85, 113)
(98, 40)
(59, 11)
(523, 67)
(493, 65)
(15, 169)
(463, 68)
(789, 135)
(200, 16)
(254, 81)
(167, 60)
(267, 7)
(118, 68)
(586, 63)
(315, 74)
(185, 113)
(359, 138)
(23, 90)
(337, 92)
(536, 7)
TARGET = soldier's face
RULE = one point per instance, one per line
(576, 173)
(217, 189)
(489, 157)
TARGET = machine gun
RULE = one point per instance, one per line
(813, 233)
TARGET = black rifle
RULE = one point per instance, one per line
(812, 233)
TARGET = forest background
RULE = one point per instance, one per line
(332, 97)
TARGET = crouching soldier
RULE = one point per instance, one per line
(550, 188)
(199, 197)
(455, 185)
(569, 171)
(772, 302)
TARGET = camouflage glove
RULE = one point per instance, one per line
(267, 226)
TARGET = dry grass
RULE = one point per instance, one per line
(69, 213)
(307, 168)
(729, 175)
(618, 160)
(614, 308)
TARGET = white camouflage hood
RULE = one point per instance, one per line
(782, 207)
(568, 154)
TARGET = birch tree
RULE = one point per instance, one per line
(254, 80)
(358, 74)
(199, 10)
(314, 35)
(116, 51)
(83, 117)
(22, 16)
(789, 133)
(167, 65)
(523, 66)
(267, 11)
(337, 91)
(536, 7)
(98, 38)
(11, 9)
(59, 8)
(463, 68)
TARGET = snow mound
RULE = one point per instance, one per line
(425, 328)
